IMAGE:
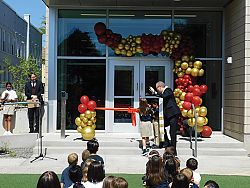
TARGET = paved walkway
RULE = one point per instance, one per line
(220, 165)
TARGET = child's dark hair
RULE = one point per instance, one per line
(8, 83)
(92, 146)
(211, 184)
(192, 163)
(96, 172)
(48, 179)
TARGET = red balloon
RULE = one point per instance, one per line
(84, 99)
(197, 92)
(82, 108)
(190, 88)
(91, 105)
(203, 88)
(189, 97)
(207, 131)
(100, 28)
(186, 105)
(186, 76)
(196, 86)
(196, 101)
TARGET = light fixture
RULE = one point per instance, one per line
(169, 16)
(111, 15)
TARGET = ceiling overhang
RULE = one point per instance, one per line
(138, 3)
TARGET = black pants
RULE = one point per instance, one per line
(34, 112)
(173, 123)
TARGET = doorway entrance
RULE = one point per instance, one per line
(128, 81)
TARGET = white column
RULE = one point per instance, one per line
(27, 19)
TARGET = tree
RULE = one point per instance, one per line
(42, 28)
(20, 73)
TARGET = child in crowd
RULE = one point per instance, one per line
(171, 169)
(155, 175)
(85, 169)
(192, 164)
(119, 182)
(85, 155)
(48, 179)
(211, 184)
(75, 175)
(145, 124)
(180, 181)
(108, 182)
(96, 174)
(65, 180)
(189, 174)
(92, 147)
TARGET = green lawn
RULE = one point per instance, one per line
(134, 180)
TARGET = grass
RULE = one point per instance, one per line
(134, 180)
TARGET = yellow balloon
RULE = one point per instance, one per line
(206, 120)
(93, 113)
(198, 64)
(203, 111)
(182, 97)
(177, 100)
(184, 65)
(184, 113)
(194, 72)
(93, 119)
(180, 74)
(78, 121)
(79, 129)
(83, 124)
(88, 114)
(190, 113)
(201, 72)
(200, 121)
(88, 133)
(82, 116)
(93, 126)
(191, 122)
(85, 120)
(200, 101)
(199, 129)
(89, 123)
(189, 70)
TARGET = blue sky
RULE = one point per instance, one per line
(36, 9)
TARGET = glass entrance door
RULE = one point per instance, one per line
(129, 81)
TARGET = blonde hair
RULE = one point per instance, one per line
(120, 182)
(108, 182)
(188, 173)
(85, 154)
(72, 159)
(85, 169)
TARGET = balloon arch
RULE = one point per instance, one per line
(187, 70)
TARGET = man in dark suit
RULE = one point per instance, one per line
(170, 110)
(34, 90)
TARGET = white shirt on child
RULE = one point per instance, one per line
(197, 178)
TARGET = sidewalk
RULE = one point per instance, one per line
(120, 163)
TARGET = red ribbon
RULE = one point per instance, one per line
(131, 111)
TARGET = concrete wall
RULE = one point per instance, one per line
(235, 73)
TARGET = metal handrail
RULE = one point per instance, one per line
(195, 149)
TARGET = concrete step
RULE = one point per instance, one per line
(211, 145)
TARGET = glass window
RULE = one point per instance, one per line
(76, 36)
(203, 28)
(78, 78)
(138, 22)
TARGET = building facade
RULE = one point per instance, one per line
(19, 38)
(78, 64)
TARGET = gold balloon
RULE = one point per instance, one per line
(200, 121)
(182, 97)
(184, 65)
(89, 123)
(93, 126)
(129, 53)
(197, 64)
(203, 111)
(83, 125)
(120, 46)
(93, 119)
(189, 70)
(78, 121)
(88, 114)
(184, 113)
(199, 129)
(194, 72)
(206, 120)
(190, 113)
(79, 129)
(200, 101)
(191, 122)
(185, 58)
(88, 133)
(127, 47)
(178, 63)
(93, 113)
(82, 116)
(117, 51)
(85, 120)
(180, 74)
(177, 100)
(123, 52)
(201, 72)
